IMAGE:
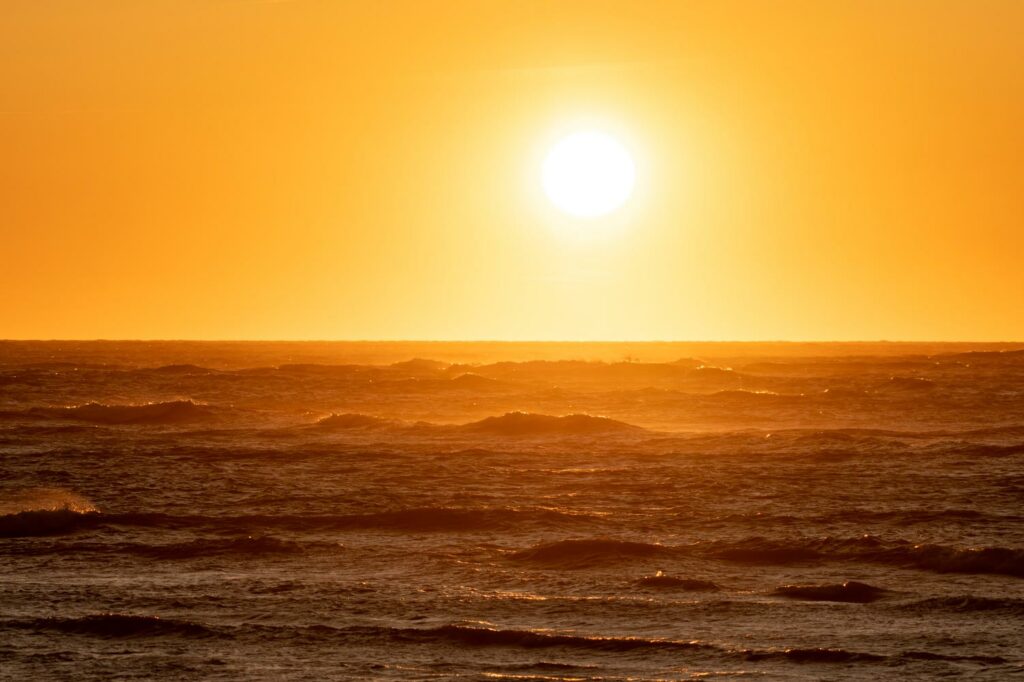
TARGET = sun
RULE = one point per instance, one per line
(588, 174)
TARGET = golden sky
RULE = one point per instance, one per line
(371, 170)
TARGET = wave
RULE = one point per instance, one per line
(814, 655)
(850, 591)
(36, 512)
(128, 626)
(869, 549)
(529, 424)
(954, 658)
(532, 639)
(472, 382)
(115, 625)
(423, 519)
(43, 522)
(581, 553)
(177, 370)
(738, 396)
(968, 604)
(941, 559)
(171, 412)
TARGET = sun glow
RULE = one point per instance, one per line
(588, 174)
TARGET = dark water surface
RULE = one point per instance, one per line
(511, 511)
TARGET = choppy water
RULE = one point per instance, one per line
(336, 511)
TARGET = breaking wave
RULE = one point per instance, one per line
(38, 512)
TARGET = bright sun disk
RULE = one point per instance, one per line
(588, 174)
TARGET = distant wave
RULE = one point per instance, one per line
(739, 396)
(172, 412)
(423, 519)
(472, 382)
(416, 519)
(511, 424)
(115, 625)
(572, 553)
(968, 604)
(937, 558)
(530, 639)
(850, 591)
(356, 421)
(528, 424)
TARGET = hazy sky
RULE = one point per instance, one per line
(368, 170)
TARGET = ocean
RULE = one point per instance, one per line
(511, 511)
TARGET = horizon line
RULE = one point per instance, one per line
(495, 340)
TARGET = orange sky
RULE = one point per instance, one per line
(369, 170)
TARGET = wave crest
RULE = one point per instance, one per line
(171, 412)
(530, 424)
